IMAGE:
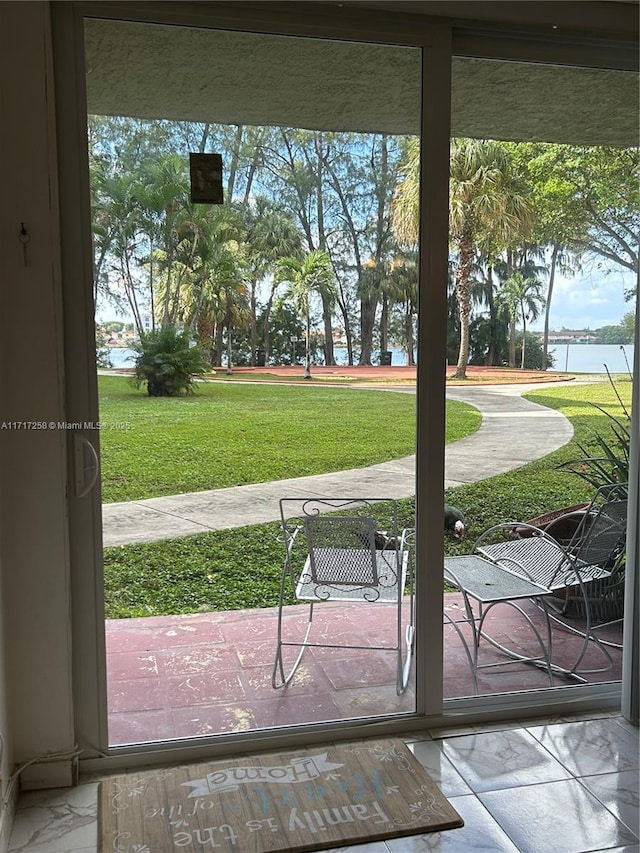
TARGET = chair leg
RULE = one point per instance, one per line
(543, 661)
(404, 661)
(405, 642)
(587, 634)
(279, 677)
(472, 660)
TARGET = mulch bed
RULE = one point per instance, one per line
(475, 375)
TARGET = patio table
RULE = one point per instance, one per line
(487, 584)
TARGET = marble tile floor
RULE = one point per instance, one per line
(563, 785)
(188, 676)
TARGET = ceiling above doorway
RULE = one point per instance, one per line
(181, 73)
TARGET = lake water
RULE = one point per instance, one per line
(121, 356)
(591, 358)
(578, 358)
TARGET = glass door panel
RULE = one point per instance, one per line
(300, 281)
(544, 187)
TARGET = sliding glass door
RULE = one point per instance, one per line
(544, 259)
(294, 279)
(307, 252)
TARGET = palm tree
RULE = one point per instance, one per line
(172, 226)
(568, 263)
(521, 296)
(404, 291)
(487, 207)
(374, 288)
(116, 235)
(216, 296)
(508, 304)
(237, 314)
(219, 255)
(271, 234)
(406, 203)
(313, 273)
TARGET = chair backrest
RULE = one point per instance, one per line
(342, 550)
(600, 539)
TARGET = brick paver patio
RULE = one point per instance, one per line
(186, 676)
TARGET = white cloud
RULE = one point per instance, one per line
(589, 300)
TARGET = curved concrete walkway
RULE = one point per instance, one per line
(514, 431)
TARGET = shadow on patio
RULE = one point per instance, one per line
(187, 676)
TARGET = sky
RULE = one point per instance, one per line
(589, 300)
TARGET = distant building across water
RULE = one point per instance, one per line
(571, 336)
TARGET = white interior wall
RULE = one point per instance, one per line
(36, 713)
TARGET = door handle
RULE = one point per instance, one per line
(85, 476)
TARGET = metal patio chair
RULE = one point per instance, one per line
(515, 561)
(344, 550)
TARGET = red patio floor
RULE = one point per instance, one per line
(187, 676)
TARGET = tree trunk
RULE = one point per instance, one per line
(307, 356)
(253, 330)
(253, 166)
(347, 324)
(463, 296)
(493, 320)
(322, 244)
(266, 330)
(329, 358)
(547, 309)
(381, 235)
(130, 291)
(152, 298)
(233, 162)
(368, 305)
(512, 343)
(408, 333)
(229, 348)
(204, 138)
(384, 323)
(204, 330)
(219, 344)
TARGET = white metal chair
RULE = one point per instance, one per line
(337, 550)
(514, 561)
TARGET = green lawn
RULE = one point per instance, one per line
(231, 434)
(540, 486)
(241, 568)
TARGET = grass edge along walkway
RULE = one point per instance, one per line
(228, 435)
(477, 456)
(208, 572)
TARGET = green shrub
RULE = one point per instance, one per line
(102, 350)
(167, 362)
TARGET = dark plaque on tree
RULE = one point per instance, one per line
(206, 178)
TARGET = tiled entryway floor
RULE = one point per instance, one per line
(188, 676)
(553, 786)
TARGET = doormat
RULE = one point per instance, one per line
(309, 799)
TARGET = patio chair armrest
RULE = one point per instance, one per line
(407, 538)
(510, 526)
(576, 519)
